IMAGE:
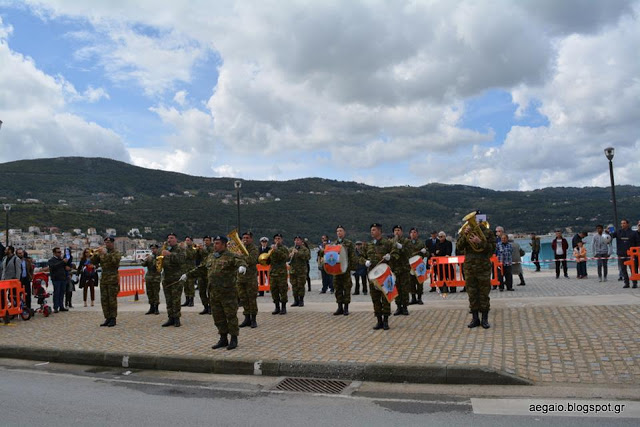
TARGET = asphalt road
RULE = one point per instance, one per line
(58, 395)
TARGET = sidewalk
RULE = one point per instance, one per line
(549, 332)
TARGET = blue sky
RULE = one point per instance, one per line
(264, 92)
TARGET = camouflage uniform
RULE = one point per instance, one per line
(401, 268)
(173, 267)
(374, 252)
(152, 280)
(248, 282)
(477, 270)
(342, 282)
(298, 272)
(414, 247)
(222, 269)
(109, 285)
(202, 275)
(190, 255)
(278, 274)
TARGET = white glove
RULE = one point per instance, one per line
(387, 257)
(242, 269)
(399, 246)
(367, 264)
(423, 250)
(183, 278)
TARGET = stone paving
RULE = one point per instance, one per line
(544, 337)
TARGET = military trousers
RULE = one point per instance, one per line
(172, 293)
(416, 287)
(203, 290)
(381, 305)
(190, 287)
(279, 288)
(224, 308)
(342, 288)
(402, 283)
(298, 284)
(248, 294)
(153, 289)
(109, 298)
(478, 285)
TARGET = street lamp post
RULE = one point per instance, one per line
(7, 208)
(609, 152)
(237, 185)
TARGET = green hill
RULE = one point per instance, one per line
(94, 188)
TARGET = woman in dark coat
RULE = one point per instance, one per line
(88, 276)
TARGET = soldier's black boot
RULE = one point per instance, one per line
(254, 324)
(191, 301)
(475, 322)
(205, 310)
(246, 322)
(222, 342)
(385, 322)
(346, 309)
(485, 320)
(151, 311)
(233, 343)
(301, 302)
(339, 311)
(186, 302)
(296, 302)
(414, 300)
(176, 322)
(379, 325)
(105, 323)
(277, 310)
(155, 309)
(112, 322)
(398, 311)
(405, 310)
(419, 302)
(283, 310)
(357, 291)
(169, 322)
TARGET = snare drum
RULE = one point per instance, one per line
(418, 268)
(335, 260)
(383, 278)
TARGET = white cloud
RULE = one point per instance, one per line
(180, 98)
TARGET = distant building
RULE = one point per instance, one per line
(111, 232)
(128, 198)
(91, 231)
(31, 201)
(33, 229)
(77, 230)
(147, 230)
(62, 202)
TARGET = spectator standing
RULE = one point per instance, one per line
(26, 274)
(58, 273)
(504, 251)
(361, 270)
(11, 264)
(444, 248)
(601, 247)
(516, 255)
(2, 253)
(71, 287)
(535, 250)
(625, 239)
(580, 254)
(327, 279)
(578, 238)
(431, 247)
(559, 245)
(88, 277)
(499, 233)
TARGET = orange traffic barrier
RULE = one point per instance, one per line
(263, 278)
(131, 282)
(448, 271)
(11, 296)
(634, 254)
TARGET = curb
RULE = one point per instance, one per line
(393, 373)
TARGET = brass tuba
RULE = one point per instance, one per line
(160, 258)
(264, 259)
(473, 228)
(235, 244)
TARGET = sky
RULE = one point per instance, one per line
(501, 94)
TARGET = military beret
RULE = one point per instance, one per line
(172, 234)
(413, 229)
(397, 226)
(375, 224)
(187, 237)
(206, 237)
(247, 233)
(223, 239)
(153, 245)
(277, 235)
(298, 237)
(109, 238)
(340, 226)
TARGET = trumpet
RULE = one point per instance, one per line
(160, 258)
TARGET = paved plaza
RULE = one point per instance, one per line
(551, 331)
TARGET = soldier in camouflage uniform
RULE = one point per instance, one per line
(379, 249)
(173, 267)
(416, 247)
(109, 259)
(299, 257)
(477, 272)
(278, 275)
(401, 268)
(248, 283)
(152, 280)
(203, 253)
(190, 257)
(222, 268)
(342, 282)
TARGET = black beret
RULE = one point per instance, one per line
(375, 224)
(340, 226)
(277, 235)
(397, 226)
(247, 233)
(223, 239)
(206, 237)
(413, 229)
(153, 245)
(298, 237)
(109, 238)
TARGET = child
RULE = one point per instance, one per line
(580, 254)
